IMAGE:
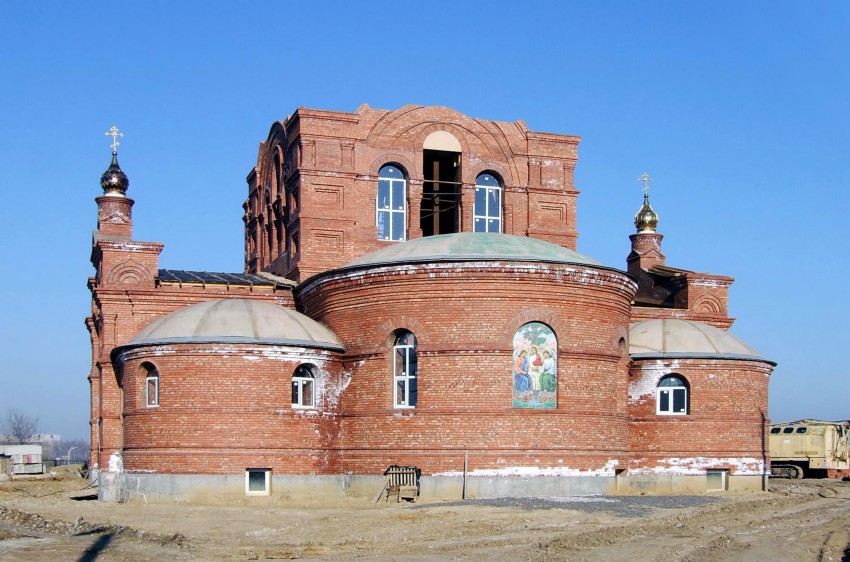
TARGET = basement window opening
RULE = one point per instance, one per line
(258, 481)
(716, 480)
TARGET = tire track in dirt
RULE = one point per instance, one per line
(804, 526)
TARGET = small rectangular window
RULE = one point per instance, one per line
(258, 481)
(775, 430)
(716, 480)
(801, 430)
(152, 392)
(788, 430)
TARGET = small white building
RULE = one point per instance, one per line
(22, 459)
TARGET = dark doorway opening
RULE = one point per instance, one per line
(440, 211)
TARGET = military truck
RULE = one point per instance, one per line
(810, 448)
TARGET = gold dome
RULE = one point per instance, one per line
(646, 220)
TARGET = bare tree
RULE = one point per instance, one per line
(20, 426)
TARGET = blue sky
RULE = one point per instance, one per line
(740, 111)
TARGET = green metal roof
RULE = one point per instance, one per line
(472, 246)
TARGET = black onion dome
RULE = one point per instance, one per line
(114, 181)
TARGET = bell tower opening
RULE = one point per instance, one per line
(440, 210)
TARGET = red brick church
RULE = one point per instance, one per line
(412, 296)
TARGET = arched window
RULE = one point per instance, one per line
(151, 385)
(487, 213)
(672, 396)
(535, 367)
(391, 204)
(404, 371)
(304, 386)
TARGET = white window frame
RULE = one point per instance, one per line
(393, 214)
(298, 384)
(672, 390)
(267, 485)
(152, 378)
(401, 373)
(484, 214)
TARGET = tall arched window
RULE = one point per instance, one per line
(487, 213)
(672, 396)
(304, 386)
(391, 204)
(151, 385)
(535, 367)
(404, 371)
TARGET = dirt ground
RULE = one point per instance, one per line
(797, 520)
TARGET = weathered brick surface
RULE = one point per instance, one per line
(311, 209)
(727, 413)
(227, 407)
(465, 316)
(316, 181)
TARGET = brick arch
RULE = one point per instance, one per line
(129, 271)
(389, 158)
(708, 304)
(470, 173)
(408, 127)
(393, 324)
(542, 315)
(276, 142)
(457, 132)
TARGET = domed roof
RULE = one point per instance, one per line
(685, 338)
(114, 181)
(237, 321)
(472, 246)
(646, 220)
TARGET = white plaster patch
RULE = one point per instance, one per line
(131, 247)
(333, 392)
(532, 471)
(650, 374)
(742, 466)
(709, 283)
(116, 463)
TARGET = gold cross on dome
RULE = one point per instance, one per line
(114, 133)
(645, 179)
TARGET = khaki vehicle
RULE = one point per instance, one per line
(810, 448)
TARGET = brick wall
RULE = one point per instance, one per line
(465, 316)
(727, 414)
(227, 407)
(316, 180)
